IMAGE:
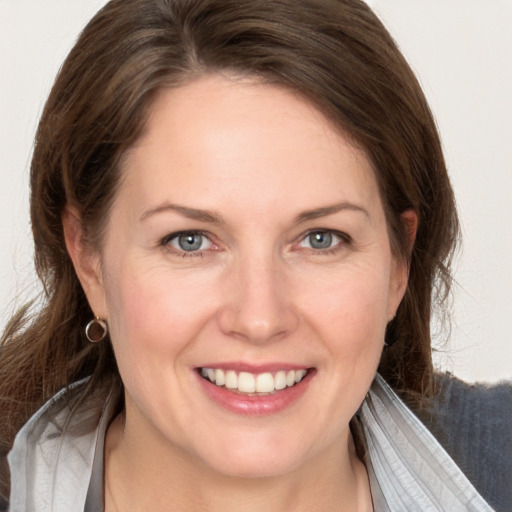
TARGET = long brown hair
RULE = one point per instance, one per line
(334, 52)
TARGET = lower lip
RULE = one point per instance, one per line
(255, 405)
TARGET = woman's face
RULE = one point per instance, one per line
(246, 249)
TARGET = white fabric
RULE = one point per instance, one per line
(408, 468)
(54, 469)
(51, 467)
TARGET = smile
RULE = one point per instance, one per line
(252, 384)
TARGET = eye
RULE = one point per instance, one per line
(190, 241)
(321, 240)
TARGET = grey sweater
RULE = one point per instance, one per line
(473, 422)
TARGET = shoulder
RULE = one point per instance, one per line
(52, 455)
(473, 422)
(50, 421)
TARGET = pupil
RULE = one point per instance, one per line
(190, 242)
(320, 240)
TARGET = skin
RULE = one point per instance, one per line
(257, 157)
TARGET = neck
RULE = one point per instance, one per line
(143, 476)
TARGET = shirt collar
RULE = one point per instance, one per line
(408, 468)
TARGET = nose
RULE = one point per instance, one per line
(257, 305)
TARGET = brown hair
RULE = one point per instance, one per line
(334, 52)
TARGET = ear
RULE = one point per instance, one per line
(409, 219)
(87, 262)
(400, 270)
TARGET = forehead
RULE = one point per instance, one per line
(219, 135)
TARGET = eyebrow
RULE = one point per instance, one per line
(186, 211)
(324, 211)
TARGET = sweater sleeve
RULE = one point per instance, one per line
(473, 422)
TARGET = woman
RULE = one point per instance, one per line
(239, 209)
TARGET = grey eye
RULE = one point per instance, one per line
(190, 241)
(320, 240)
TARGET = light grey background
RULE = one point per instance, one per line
(462, 52)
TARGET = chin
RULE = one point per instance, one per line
(255, 468)
(255, 461)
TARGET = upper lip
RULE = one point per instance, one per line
(240, 366)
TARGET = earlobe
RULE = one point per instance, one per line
(85, 260)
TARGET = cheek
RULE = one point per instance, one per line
(155, 319)
(346, 313)
(353, 304)
(152, 313)
(350, 317)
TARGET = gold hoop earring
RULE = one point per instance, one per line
(96, 330)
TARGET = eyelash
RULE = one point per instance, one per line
(345, 240)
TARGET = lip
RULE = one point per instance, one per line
(256, 405)
(255, 368)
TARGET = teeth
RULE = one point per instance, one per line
(231, 380)
(265, 383)
(280, 380)
(245, 382)
(220, 378)
(299, 375)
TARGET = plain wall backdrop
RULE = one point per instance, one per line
(461, 51)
